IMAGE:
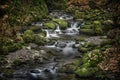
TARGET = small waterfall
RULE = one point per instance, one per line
(74, 29)
(47, 34)
(57, 30)
(50, 34)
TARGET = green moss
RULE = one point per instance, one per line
(28, 36)
(87, 31)
(63, 24)
(85, 72)
(49, 25)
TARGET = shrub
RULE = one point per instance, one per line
(85, 72)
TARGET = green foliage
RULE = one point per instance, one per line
(49, 25)
(85, 72)
(79, 15)
(8, 45)
(97, 26)
(28, 36)
(94, 57)
(63, 24)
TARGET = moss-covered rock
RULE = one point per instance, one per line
(28, 36)
(40, 40)
(63, 24)
(49, 25)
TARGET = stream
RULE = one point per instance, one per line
(62, 41)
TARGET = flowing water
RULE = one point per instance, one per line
(64, 45)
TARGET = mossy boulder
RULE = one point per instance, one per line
(40, 40)
(85, 72)
(49, 25)
(28, 36)
(63, 24)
